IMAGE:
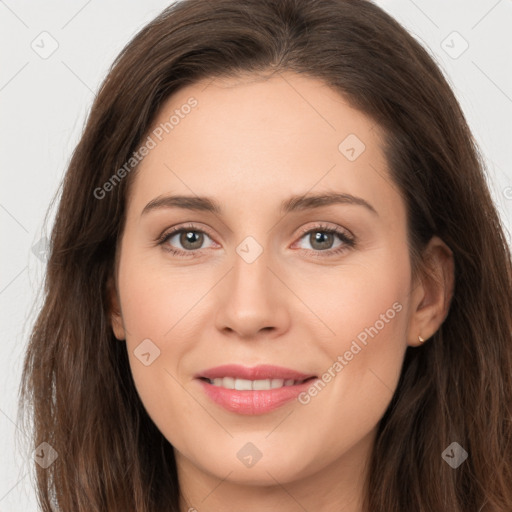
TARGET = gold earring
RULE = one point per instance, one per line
(421, 339)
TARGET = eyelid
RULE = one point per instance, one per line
(192, 226)
(169, 232)
(321, 225)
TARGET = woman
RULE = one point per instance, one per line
(368, 370)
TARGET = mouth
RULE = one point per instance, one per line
(253, 390)
(253, 385)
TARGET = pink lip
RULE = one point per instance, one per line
(260, 372)
(252, 402)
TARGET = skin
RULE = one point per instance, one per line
(249, 144)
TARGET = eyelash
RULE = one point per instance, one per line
(349, 242)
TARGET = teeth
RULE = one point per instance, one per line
(243, 385)
(250, 385)
(261, 384)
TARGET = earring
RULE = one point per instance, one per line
(421, 339)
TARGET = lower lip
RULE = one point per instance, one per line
(253, 402)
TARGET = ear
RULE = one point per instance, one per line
(432, 294)
(116, 318)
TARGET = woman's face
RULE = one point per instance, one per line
(259, 280)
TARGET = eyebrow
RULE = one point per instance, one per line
(293, 204)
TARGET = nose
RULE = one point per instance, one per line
(252, 299)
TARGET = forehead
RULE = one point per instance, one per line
(257, 139)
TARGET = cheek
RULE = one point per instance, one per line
(154, 298)
(364, 303)
(366, 311)
(154, 315)
(154, 308)
(363, 311)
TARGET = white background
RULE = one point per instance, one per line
(44, 103)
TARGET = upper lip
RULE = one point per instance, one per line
(260, 372)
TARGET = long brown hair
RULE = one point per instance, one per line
(457, 387)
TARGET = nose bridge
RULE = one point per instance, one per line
(251, 300)
(251, 275)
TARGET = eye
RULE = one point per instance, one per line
(189, 237)
(321, 239)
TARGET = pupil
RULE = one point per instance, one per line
(319, 236)
(188, 238)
